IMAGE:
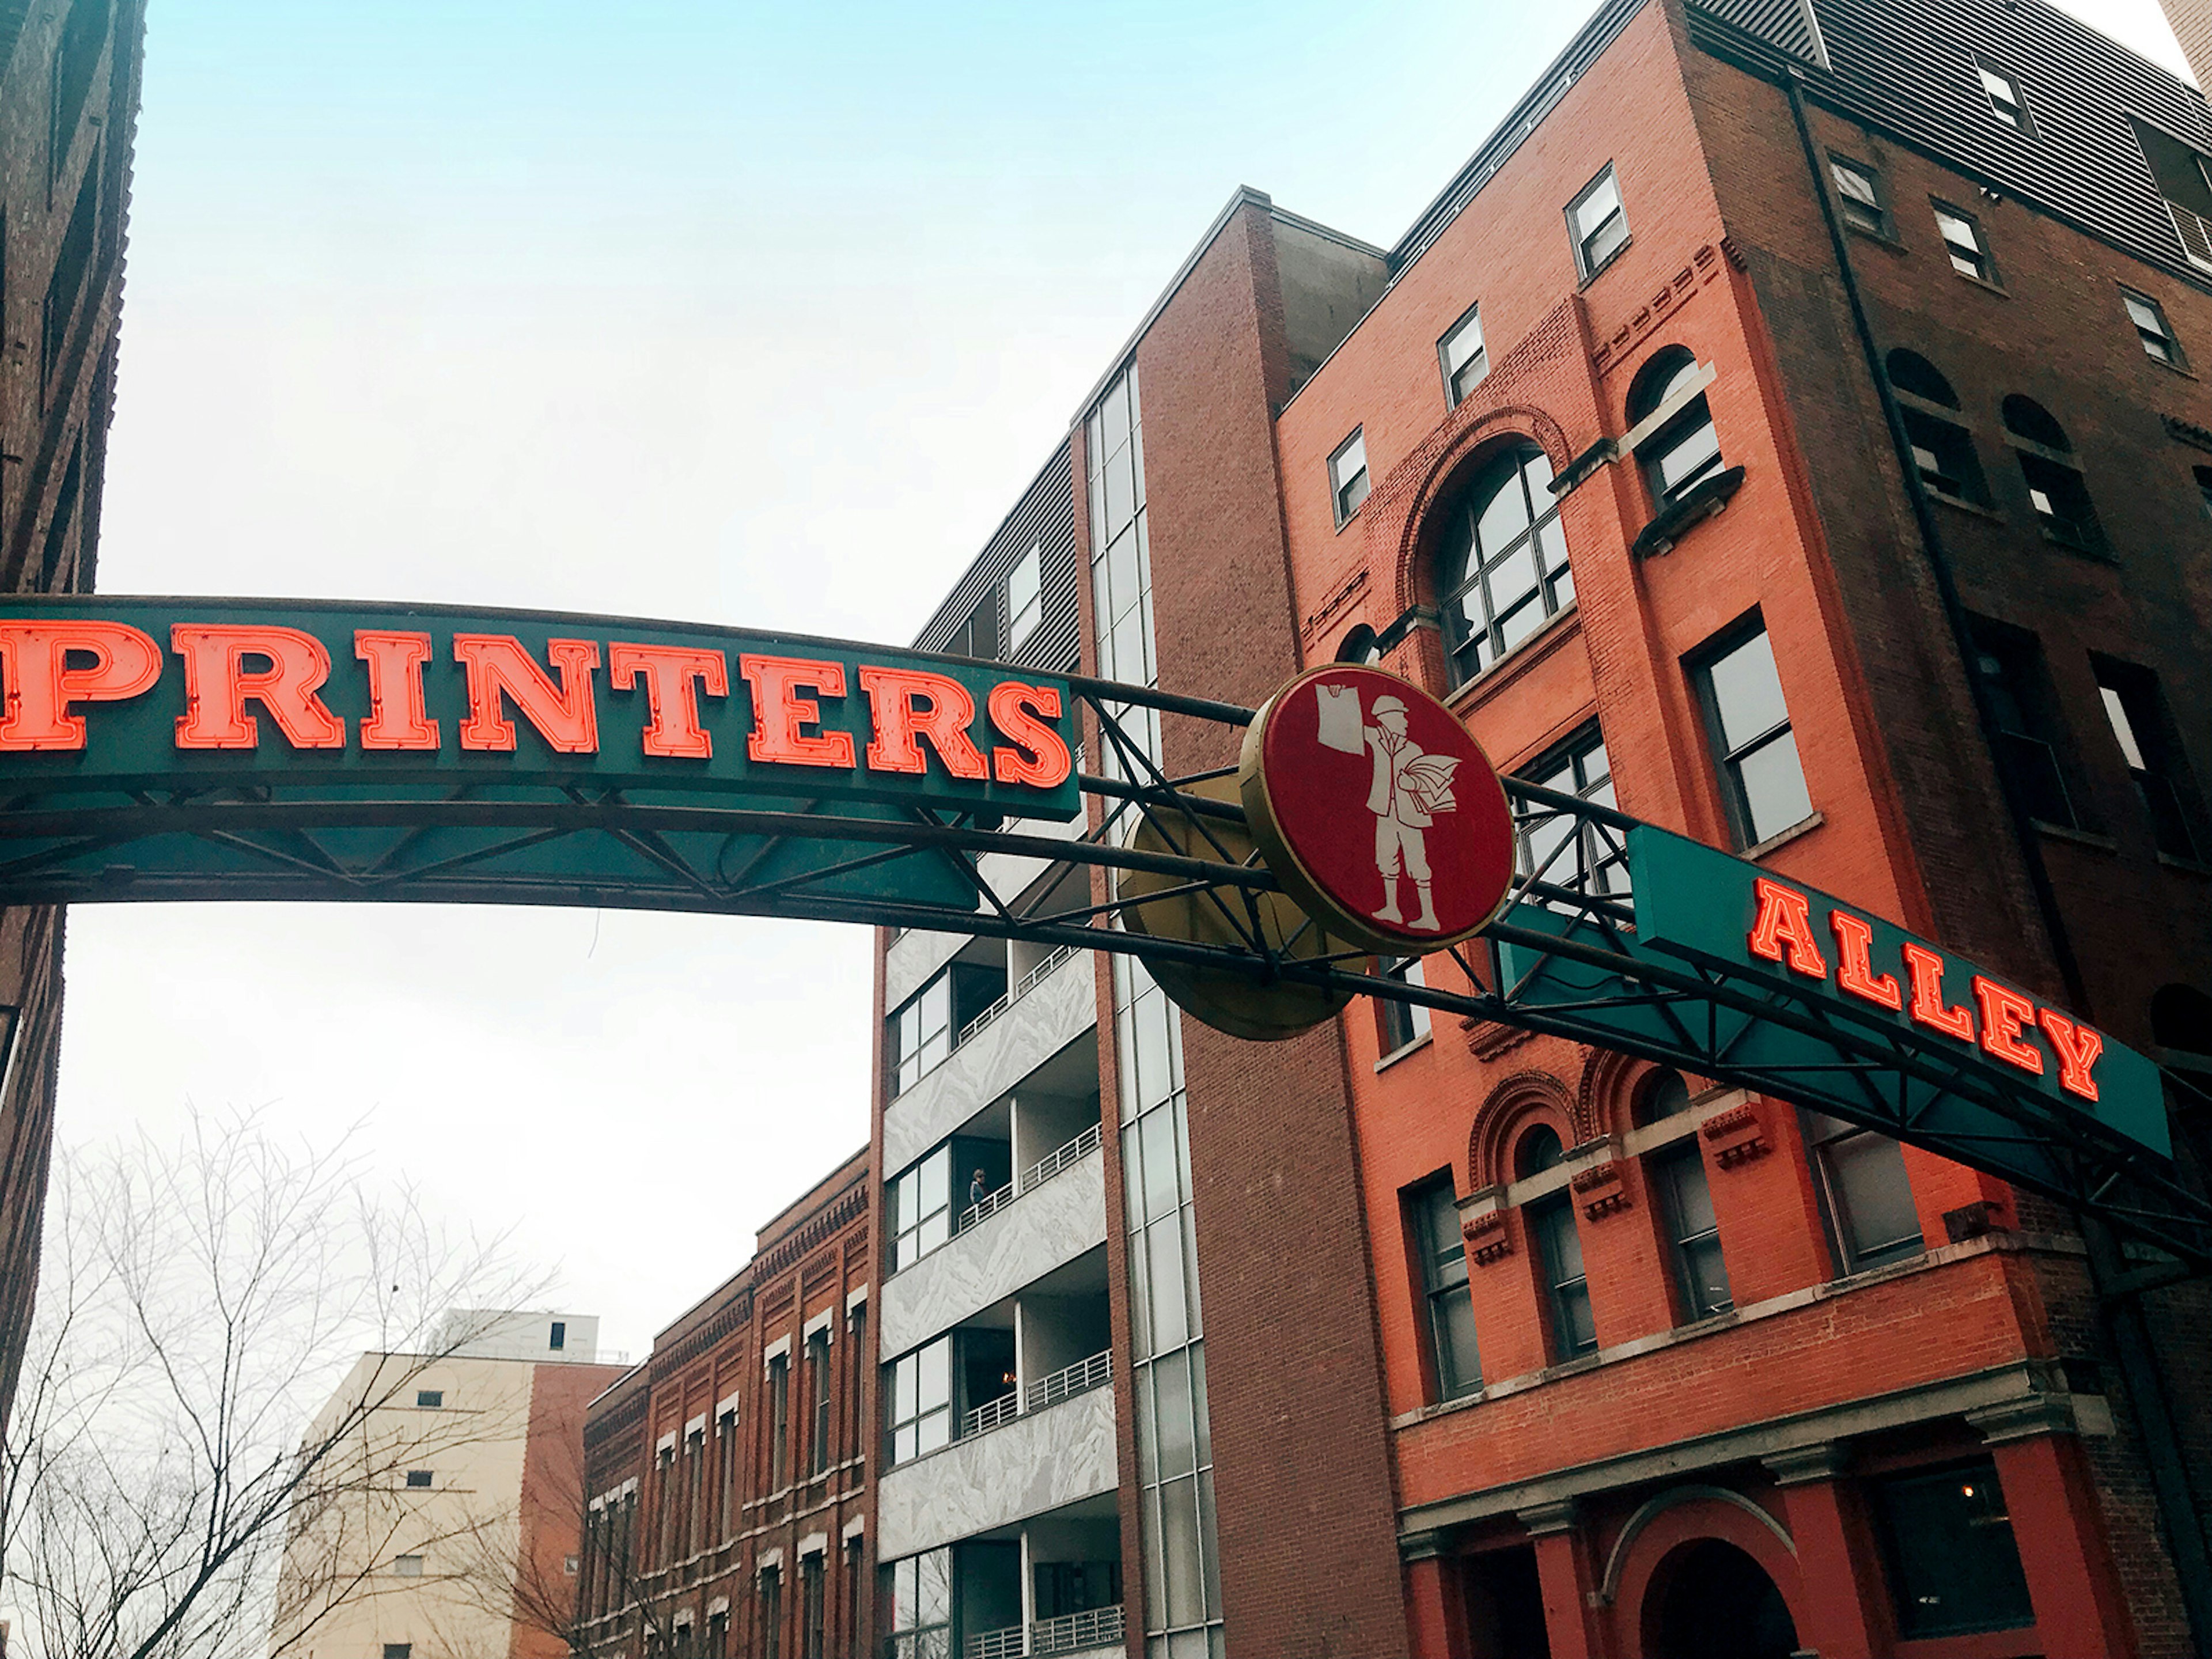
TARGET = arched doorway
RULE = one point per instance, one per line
(1711, 1600)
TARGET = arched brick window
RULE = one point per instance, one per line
(1501, 560)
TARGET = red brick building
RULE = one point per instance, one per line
(728, 1475)
(1784, 428)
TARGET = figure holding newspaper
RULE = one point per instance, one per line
(1408, 787)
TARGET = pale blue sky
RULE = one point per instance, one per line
(757, 315)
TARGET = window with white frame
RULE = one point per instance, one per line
(1347, 475)
(2154, 333)
(1754, 748)
(1402, 1023)
(1460, 355)
(2004, 97)
(1598, 223)
(1963, 240)
(1859, 196)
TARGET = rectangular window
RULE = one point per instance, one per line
(399, 1649)
(1859, 196)
(694, 1521)
(2143, 728)
(1599, 864)
(559, 1340)
(2019, 689)
(1401, 1023)
(1963, 241)
(717, 1635)
(1953, 1563)
(921, 1033)
(407, 1566)
(779, 1422)
(1756, 751)
(430, 1399)
(419, 1477)
(853, 1580)
(2061, 500)
(1559, 1259)
(1347, 475)
(1598, 224)
(811, 1621)
(1460, 355)
(725, 1441)
(2151, 330)
(2004, 95)
(1686, 1203)
(921, 1400)
(920, 1207)
(2182, 179)
(771, 1595)
(919, 1590)
(1434, 1212)
(817, 1383)
(978, 636)
(1868, 1200)
(1025, 597)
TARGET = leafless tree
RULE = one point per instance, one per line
(200, 1303)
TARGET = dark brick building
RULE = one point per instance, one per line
(728, 1476)
(1784, 426)
(69, 106)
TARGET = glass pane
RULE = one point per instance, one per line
(1774, 788)
(1155, 1082)
(1536, 472)
(937, 1180)
(1512, 579)
(1873, 1194)
(1579, 1328)
(932, 1595)
(1503, 516)
(1197, 1351)
(1461, 344)
(1113, 415)
(1562, 590)
(2144, 318)
(1956, 1560)
(1148, 1429)
(1957, 232)
(934, 1367)
(1207, 1539)
(1605, 242)
(1140, 1297)
(1707, 1276)
(2122, 729)
(1854, 184)
(932, 1232)
(904, 1443)
(1563, 1245)
(1172, 1389)
(1519, 624)
(1155, 1130)
(1748, 691)
(1602, 200)
(1190, 1271)
(1459, 1360)
(1186, 1603)
(1690, 1198)
(1163, 1248)
(1692, 454)
(1156, 1599)
(934, 1430)
(903, 1378)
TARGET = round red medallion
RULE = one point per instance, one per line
(1376, 810)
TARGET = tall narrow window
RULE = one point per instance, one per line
(1024, 598)
(855, 1577)
(1401, 1023)
(1434, 1212)
(1597, 224)
(1859, 196)
(921, 1400)
(664, 1504)
(726, 1479)
(921, 1032)
(2055, 486)
(1686, 1204)
(2153, 331)
(1942, 451)
(779, 1422)
(2143, 729)
(718, 1635)
(920, 1208)
(1863, 1191)
(1460, 354)
(1755, 751)
(817, 1385)
(2004, 94)
(2182, 179)
(1502, 563)
(1963, 241)
(1600, 863)
(919, 1590)
(558, 1338)
(1558, 1248)
(1953, 1563)
(810, 1620)
(1347, 475)
(2019, 689)
(771, 1603)
(695, 1493)
(1684, 450)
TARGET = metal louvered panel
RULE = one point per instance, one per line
(1911, 73)
(1044, 518)
(1787, 24)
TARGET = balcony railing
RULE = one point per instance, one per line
(1020, 989)
(1098, 1628)
(1084, 1375)
(1042, 1170)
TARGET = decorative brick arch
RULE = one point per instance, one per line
(1605, 1096)
(1521, 1098)
(1673, 1520)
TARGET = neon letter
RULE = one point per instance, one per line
(41, 685)
(397, 717)
(1040, 758)
(907, 703)
(217, 683)
(1854, 972)
(779, 711)
(2004, 1012)
(1925, 969)
(2077, 1047)
(671, 673)
(565, 715)
(1785, 922)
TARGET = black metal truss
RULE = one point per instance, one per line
(1568, 932)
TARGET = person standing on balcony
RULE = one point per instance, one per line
(978, 1190)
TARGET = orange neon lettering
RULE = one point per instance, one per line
(780, 712)
(907, 703)
(1784, 930)
(1039, 757)
(674, 675)
(41, 685)
(397, 718)
(500, 668)
(2077, 1047)
(218, 684)
(1854, 969)
(2005, 1013)
(1925, 969)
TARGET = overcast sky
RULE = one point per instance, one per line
(742, 314)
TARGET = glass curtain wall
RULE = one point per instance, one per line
(1167, 1378)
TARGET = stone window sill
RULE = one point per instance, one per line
(1780, 838)
(1404, 1050)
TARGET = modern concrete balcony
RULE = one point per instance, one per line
(1043, 1013)
(1036, 1463)
(1032, 1229)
